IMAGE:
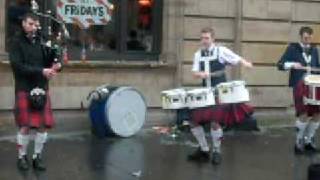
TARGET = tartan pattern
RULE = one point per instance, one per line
(27, 117)
(299, 91)
(227, 114)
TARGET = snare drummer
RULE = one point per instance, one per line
(209, 65)
(296, 58)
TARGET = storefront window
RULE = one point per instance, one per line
(133, 31)
(140, 25)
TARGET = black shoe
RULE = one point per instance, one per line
(216, 158)
(23, 163)
(298, 150)
(311, 148)
(199, 155)
(38, 164)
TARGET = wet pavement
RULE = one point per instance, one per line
(266, 155)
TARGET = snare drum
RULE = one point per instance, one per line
(201, 97)
(312, 89)
(174, 99)
(232, 92)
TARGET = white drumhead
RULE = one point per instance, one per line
(174, 92)
(238, 83)
(312, 79)
(200, 90)
(126, 111)
(231, 84)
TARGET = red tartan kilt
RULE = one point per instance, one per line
(27, 117)
(227, 114)
(299, 91)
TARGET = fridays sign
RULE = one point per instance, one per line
(84, 12)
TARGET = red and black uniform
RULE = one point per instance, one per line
(28, 58)
(294, 54)
(226, 114)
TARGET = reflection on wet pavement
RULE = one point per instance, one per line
(266, 155)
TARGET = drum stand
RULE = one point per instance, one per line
(312, 100)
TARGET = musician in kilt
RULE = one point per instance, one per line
(297, 58)
(217, 58)
(33, 66)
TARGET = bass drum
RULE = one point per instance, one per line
(122, 112)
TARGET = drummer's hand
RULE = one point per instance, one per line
(201, 74)
(297, 66)
(246, 63)
(204, 75)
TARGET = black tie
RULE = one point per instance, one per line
(206, 52)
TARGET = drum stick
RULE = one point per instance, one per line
(310, 69)
(217, 73)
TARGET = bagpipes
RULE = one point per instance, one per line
(56, 45)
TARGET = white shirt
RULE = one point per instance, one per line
(225, 56)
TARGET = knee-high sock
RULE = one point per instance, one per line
(39, 141)
(22, 143)
(311, 130)
(199, 134)
(301, 129)
(216, 136)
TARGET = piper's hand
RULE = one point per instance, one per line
(57, 66)
(49, 73)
